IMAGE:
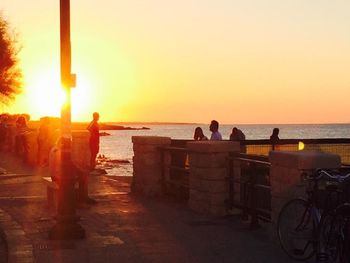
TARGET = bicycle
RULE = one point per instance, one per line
(334, 233)
(299, 219)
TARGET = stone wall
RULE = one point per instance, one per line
(81, 148)
(80, 144)
(208, 182)
(147, 164)
(285, 174)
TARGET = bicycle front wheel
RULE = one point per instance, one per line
(333, 235)
(296, 230)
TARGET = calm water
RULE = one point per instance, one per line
(119, 145)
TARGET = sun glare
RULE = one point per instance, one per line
(47, 97)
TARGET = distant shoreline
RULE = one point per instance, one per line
(83, 126)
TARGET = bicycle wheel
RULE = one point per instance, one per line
(333, 236)
(296, 230)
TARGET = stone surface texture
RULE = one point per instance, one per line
(208, 182)
(285, 174)
(148, 166)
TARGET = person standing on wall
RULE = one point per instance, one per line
(94, 141)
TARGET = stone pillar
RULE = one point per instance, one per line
(81, 149)
(285, 174)
(147, 164)
(208, 182)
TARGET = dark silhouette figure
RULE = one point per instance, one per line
(238, 136)
(3, 131)
(81, 175)
(94, 139)
(198, 135)
(214, 128)
(274, 138)
(43, 142)
(21, 143)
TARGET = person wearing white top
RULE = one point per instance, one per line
(214, 128)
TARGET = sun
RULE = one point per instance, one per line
(46, 96)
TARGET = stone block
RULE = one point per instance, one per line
(195, 183)
(213, 146)
(285, 181)
(215, 174)
(199, 195)
(208, 160)
(145, 148)
(218, 210)
(149, 159)
(199, 206)
(152, 140)
(305, 159)
(141, 168)
(218, 199)
(215, 186)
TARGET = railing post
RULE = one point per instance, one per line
(231, 178)
(209, 182)
(254, 223)
(148, 165)
(285, 174)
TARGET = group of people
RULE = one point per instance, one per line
(15, 125)
(14, 138)
(236, 134)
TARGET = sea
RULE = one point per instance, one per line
(118, 145)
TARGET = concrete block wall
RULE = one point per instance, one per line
(285, 174)
(80, 146)
(208, 182)
(147, 164)
(81, 149)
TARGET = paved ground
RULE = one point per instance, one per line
(123, 227)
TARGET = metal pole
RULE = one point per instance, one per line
(67, 226)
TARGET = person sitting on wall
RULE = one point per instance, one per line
(274, 139)
(214, 128)
(55, 169)
(238, 135)
(199, 135)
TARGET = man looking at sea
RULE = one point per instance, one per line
(94, 141)
(214, 128)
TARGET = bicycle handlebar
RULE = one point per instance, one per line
(323, 173)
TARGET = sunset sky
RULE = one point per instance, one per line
(248, 61)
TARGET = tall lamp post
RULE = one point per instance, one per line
(67, 226)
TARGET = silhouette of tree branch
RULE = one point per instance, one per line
(10, 73)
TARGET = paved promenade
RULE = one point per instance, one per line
(122, 227)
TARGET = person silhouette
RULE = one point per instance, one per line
(198, 135)
(21, 141)
(94, 141)
(274, 139)
(238, 136)
(214, 128)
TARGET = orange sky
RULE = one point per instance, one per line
(247, 61)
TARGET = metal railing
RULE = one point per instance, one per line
(254, 168)
(175, 171)
(340, 146)
(249, 188)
